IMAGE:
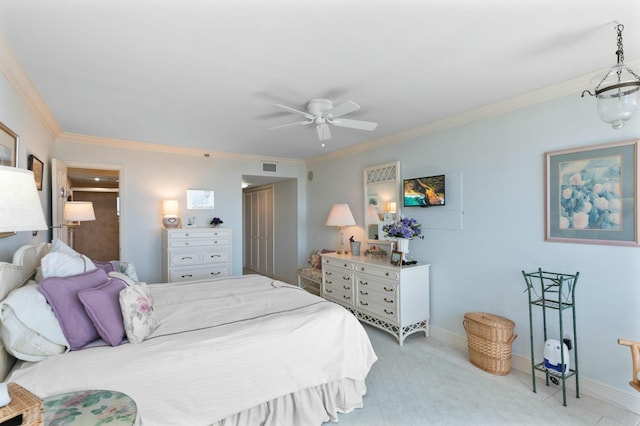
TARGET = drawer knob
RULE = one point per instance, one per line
(388, 289)
(328, 290)
(329, 282)
(364, 283)
(345, 265)
(362, 269)
(364, 303)
(187, 258)
(387, 300)
(364, 293)
(216, 255)
(327, 273)
(347, 278)
(388, 312)
(186, 243)
(386, 273)
(186, 276)
(215, 273)
(346, 287)
(346, 297)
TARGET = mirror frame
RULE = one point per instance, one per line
(381, 184)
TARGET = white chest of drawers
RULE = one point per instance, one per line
(388, 297)
(195, 253)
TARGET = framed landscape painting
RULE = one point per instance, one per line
(592, 194)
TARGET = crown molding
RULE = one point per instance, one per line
(11, 68)
(536, 97)
(167, 149)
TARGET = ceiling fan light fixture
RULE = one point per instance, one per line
(617, 91)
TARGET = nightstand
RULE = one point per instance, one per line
(24, 409)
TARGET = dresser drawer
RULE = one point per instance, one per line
(215, 256)
(365, 297)
(378, 271)
(199, 242)
(338, 263)
(340, 292)
(186, 233)
(184, 258)
(190, 274)
(381, 286)
(385, 313)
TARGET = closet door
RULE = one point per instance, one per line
(254, 262)
(265, 231)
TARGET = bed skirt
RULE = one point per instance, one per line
(309, 407)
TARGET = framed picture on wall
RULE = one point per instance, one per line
(37, 168)
(8, 147)
(592, 194)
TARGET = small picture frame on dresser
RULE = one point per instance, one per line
(396, 258)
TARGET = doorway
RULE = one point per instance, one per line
(101, 185)
(98, 239)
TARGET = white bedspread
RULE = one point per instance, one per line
(221, 347)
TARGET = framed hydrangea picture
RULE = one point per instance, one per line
(592, 194)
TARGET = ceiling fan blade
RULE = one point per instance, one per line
(291, 124)
(323, 131)
(354, 124)
(306, 114)
(341, 109)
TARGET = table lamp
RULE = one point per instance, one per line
(20, 207)
(340, 216)
(170, 214)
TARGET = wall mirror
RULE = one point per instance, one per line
(381, 199)
(200, 199)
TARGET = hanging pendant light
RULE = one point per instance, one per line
(617, 91)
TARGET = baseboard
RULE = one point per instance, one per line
(590, 387)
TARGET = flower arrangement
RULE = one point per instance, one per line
(216, 221)
(404, 228)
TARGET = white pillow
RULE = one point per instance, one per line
(138, 313)
(30, 330)
(57, 264)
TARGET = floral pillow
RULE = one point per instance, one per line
(138, 313)
(315, 259)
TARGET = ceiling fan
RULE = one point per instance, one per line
(322, 112)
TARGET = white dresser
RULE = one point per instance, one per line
(195, 253)
(391, 298)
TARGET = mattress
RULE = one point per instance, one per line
(222, 348)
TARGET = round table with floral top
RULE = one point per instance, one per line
(91, 407)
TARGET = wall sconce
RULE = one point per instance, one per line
(170, 214)
(617, 90)
(76, 212)
(20, 207)
(341, 216)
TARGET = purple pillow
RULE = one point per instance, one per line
(102, 304)
(106, 266)
(62, 296)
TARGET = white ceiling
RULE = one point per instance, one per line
(205, 74)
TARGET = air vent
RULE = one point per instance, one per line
(269, 167)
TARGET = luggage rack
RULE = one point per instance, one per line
(556, 291)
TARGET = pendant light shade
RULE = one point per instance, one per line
(617, 91)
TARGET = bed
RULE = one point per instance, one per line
(241, 350)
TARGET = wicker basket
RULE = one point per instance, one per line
(489, 337)
(25, 404)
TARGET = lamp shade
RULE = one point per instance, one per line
(392, 207)
(20, 208)
(78, 211)
(170, 208)
(372, 215)
(340, 215)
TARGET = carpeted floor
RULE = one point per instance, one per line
(423, 383)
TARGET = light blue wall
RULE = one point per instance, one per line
(479, 267)
(150, 177)
(34, 139)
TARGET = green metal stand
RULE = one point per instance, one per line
(551, 290)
